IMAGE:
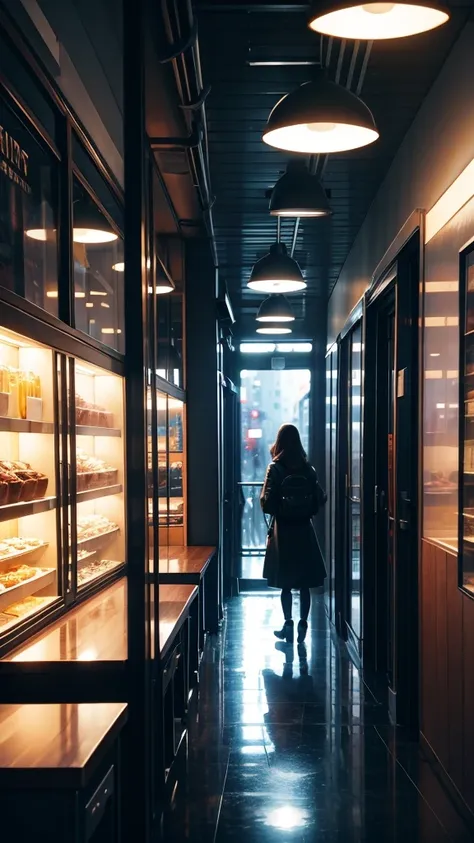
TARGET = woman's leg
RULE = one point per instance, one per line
(286, 603)
(305, 603)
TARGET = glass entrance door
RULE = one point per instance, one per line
(268, 399)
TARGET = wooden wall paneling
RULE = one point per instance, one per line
(440, 645)
(428, 650)
(455, 601)
(468, 701)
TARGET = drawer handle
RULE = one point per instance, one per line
(97, 803)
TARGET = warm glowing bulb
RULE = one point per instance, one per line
(52, 294)
(89, 304)
(93, 235)
(321, 127)
(378, 8)
(104, 304)
(119, 267)
(376, 21)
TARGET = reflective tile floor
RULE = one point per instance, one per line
(290, 745)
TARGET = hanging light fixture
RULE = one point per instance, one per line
(276, 272)
(275, 308)
(273, 328)
(319, 117)
(374, 21)
(89, 224)
(299, 193)
(163, 283)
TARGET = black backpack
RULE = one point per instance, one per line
(297, 493)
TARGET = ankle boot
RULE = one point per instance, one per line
(302, 630)
(286, 632)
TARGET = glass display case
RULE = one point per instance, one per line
(171, 470)
(29, 563)
(98, 535)
(60, 531)
(466, 450)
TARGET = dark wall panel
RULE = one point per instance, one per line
(447, 674)
(201, 389)
(454, 605)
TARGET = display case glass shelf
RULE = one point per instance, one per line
(29, 555)
(466, 508)
(171, 470)
(99, 545)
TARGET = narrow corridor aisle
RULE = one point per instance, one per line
(290, 745)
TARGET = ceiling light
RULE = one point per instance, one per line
(97, 293)
(89, 304)
(374, 21)
(275, 309)
(276, 273)
(320, 116)
(299, 193)
(276, 328)
(119, 267)
(39, 233)
(89, 224)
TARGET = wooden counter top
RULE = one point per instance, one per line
(56, 745)
(175, 601)
(97, 629)
(94, 631)
(184, 564)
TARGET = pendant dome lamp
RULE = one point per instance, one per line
(163, 282)
(276, 273)
(299, 193)
(375, 21)
(273, 328)
(320, 117)
(275, 308)
(89, 224)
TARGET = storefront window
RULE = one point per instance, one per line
(441, 379)
(98, 272)
(28, 214)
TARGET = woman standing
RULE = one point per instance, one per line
(292, 496)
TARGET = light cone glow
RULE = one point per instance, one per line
(270, 285)
(38, 233)
(273, 329)
(376, 21)
(93, 235)
(320, 137)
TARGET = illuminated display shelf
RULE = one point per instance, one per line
(34, 394)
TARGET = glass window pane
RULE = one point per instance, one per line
(28, 214)
(29, 553)
(100, 473)
(261, 416)
(98, 272)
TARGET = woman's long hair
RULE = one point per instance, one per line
(288, 448)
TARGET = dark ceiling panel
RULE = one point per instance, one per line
(398, 76)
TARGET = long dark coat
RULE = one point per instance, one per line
(293, 558)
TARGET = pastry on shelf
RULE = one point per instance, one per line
(12, 546)
(92, 526)
(16, 576)
(23, 483)
(95, 569)
(93, 473)
(27, 605)
(89, 414)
